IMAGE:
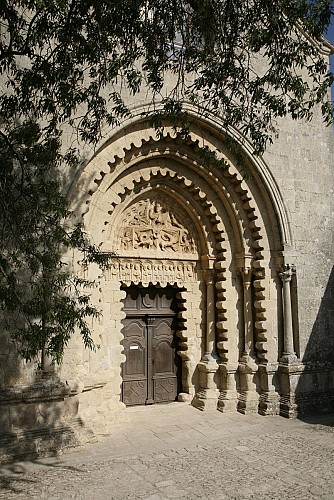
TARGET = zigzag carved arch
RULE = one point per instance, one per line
(206, 130)
(231, 190)
(133, 166)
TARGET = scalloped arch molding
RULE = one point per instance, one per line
(172, 219)
(204, 132)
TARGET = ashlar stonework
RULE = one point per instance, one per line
(220, 293)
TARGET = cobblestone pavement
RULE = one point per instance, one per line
(175, 451)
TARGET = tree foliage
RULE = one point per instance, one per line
(76, 62)
(44, 301)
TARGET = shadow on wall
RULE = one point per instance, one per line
(38, 412)
(37, 418)
(314, 393)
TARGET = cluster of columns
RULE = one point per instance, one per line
(255, 391)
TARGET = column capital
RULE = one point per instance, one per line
(287, 272)
(209, 275)
(246, 273)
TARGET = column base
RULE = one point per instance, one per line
(269, 397)
(184, 397)
(290, 372)
(206, 397)
(289, 358)
(269, 403)
(248, 397)
(227, 401)
(228, 398)
(248, 402)
(288, 406)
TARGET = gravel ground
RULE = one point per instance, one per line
(179, 452)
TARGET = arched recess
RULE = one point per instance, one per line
(234, 234)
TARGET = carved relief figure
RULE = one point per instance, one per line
(148, 271)
(151, 225)
(158, 272)
(136, 272)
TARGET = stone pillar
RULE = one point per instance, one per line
(289, 355)
(210, 339)
(228, 397)
(269, 403)
(290, 368)
(248, 399)
(188, 366)
(290, 374)
(207, 396)
(246, 274)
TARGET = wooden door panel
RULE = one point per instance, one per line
(135, 366)
(163, 354)
(162, 350)
(165, 389)
(149, 372)
(134, 370)
(134, 392)
(163, 357)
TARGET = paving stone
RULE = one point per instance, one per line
(285, 460)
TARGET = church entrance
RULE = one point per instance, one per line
(152, 370)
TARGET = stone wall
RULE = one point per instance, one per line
(251, 260)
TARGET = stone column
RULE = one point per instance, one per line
(210, 339)
(246, 274)
(248, 399)
(228, 397)
(269, 402)
(290, 369)
(207, 396)
(289, 355)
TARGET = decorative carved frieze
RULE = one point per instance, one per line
(151, 271)
(154, 225)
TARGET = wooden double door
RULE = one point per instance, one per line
(152, 370)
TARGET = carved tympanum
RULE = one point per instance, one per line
(154, 225)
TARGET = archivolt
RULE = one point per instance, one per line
(128, 166)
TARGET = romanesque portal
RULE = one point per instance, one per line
(214, 244)
(202, 301)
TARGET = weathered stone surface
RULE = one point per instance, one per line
(250, 261)
(175, 451)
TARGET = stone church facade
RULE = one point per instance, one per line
(221, 291)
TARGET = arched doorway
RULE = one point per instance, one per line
(152, 370)
(173, 220)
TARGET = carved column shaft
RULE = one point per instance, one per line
(248, 397)
(210, 340)
(248, 311)
(207, 395)
(286, 277)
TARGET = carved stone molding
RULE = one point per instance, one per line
(147, 271)
(246, 273)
